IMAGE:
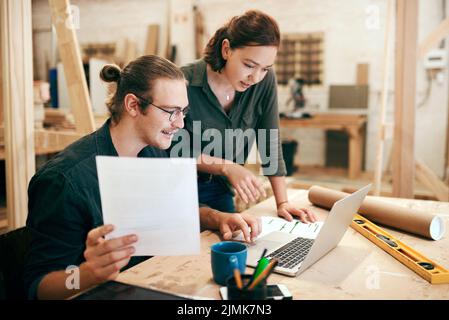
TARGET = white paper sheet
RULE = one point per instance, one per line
(270, 224)
(154, 198)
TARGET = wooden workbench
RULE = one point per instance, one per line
(352, 125)
(356, 269)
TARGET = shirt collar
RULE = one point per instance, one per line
(103, 140)
(199, 77)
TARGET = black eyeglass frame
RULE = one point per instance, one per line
(175, 113)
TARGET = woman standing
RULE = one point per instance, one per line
(233, 102)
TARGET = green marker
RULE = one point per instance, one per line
(261, 267)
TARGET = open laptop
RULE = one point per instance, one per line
(295, 253)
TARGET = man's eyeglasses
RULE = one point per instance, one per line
(174, 114)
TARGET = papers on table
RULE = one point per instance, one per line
(154, 198)
(270, 224)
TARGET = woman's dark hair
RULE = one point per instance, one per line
(254, 28)
(137, 78)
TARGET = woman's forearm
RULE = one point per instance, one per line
(279, 189)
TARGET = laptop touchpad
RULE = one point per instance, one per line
(270, 242)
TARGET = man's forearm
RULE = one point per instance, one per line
(209, 218)
(54, 285)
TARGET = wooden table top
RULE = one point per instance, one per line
(355, 269)
(326, 121)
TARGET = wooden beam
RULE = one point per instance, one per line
(355, 152)
(446, 166)
(3, 219)
(168, 38)
(405, 85)
(362, 74)
(73, 67)
(432, 39)
(198, 21)
(388, 46)
(446, 173)
(130, 52)
(17, 68)
(428, 178)
(1, 98)
(152, 45)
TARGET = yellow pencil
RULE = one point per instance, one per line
(264, 274)
(238, 278)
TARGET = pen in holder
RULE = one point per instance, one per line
(259, 292)
(263, 275)
(237, 276)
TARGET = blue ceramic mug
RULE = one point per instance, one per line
(225, 257)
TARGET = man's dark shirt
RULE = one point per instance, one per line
(64, 205)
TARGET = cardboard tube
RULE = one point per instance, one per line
(418, 222)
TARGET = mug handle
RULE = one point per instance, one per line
(234, 262)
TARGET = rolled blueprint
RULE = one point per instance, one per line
(414, 221)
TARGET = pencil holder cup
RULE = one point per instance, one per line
(225, 257)
(259, 292)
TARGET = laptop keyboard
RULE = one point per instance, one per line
(293, 253)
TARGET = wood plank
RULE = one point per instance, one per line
(362, 74)
(355, 153)
(1, 98)
(199, 31)
(344, 97)
(446, 173)
(3, 219)
(152, 45)
(2, 138)
(438, 34)
(427, 177)
(17, 62)
(405, 85)
(446, 159)
(388, 46)
(73, 68)
(48, 141)
(130, 52)
(167, 46)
